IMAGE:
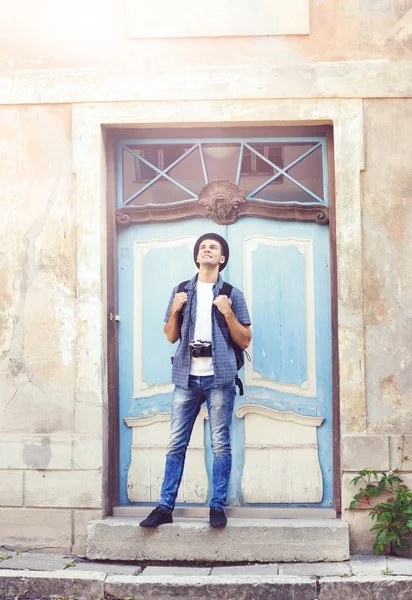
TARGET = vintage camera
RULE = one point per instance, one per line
(200, 349)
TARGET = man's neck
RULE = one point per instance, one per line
(208, 275)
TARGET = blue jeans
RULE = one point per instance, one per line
(185, 408)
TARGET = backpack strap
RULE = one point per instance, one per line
(226, 290)
(182, 286)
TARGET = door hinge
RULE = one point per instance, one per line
(113, 317)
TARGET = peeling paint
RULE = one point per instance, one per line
(37, 455)
(18, 365)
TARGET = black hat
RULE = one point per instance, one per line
(218, 238)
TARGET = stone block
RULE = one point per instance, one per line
(246, 570)
(399, 566)
(351, 354)
(205, 588)
(87, 452)
(36, 528)
(65, 584)
(176, 571)
(108, 568)
(88, 417)
(36, 562)
(360, 536)
(349, 490)
(365, 452)
(81, 520)
(257, 540)
(356, 588)
(11, 488)
(324, 569)
(77, 489)
(368, 565)
(400, 452)
(35, 451)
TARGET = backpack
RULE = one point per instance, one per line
(239, 353)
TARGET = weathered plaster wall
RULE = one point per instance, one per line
(340, 31)
(387, 284)
(44, 461)
(52, 374)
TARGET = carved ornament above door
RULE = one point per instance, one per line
(223, 180)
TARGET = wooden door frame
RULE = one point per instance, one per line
(111, 140)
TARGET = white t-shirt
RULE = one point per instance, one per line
(203, 329)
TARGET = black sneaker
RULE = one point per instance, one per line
(217, 517)
(158, 516)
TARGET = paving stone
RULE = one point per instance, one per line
(38, 584)
(205, 588)
(173, 571)
(243, 570)
(109, 568)
(399, 566)
(368, 565)
(359, 588)
(36, 562)
(322, 569)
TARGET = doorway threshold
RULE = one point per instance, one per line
(235, 512)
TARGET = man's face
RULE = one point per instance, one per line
(210, 253)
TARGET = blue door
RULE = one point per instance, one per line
(282, 426)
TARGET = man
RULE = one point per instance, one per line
(204, 370)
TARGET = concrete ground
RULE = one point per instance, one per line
(31, 575)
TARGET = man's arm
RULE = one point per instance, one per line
(240, 334)
(172, 327)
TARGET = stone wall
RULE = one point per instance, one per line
(50, 442)
(379, 439)
(52, 366)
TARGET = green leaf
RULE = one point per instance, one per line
(381, 537)
(377, 527)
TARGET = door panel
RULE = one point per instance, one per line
(283, 269)
(152, 260)
(282, 427)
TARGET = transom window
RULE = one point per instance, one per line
(277, 170)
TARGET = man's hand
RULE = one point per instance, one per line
(172, 327)
(224, 304)
(239, 333)
(178, 302)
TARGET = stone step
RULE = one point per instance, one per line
(243, 540)
(96, 586)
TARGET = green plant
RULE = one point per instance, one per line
(393, 517)
(5, 556)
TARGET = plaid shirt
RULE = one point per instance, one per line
(223, 355)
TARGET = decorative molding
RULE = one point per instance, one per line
(185, 19)
(144, 421)
(313, 213)
(271, 413)
(281, 457)
(221, 201)
(150, 440)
